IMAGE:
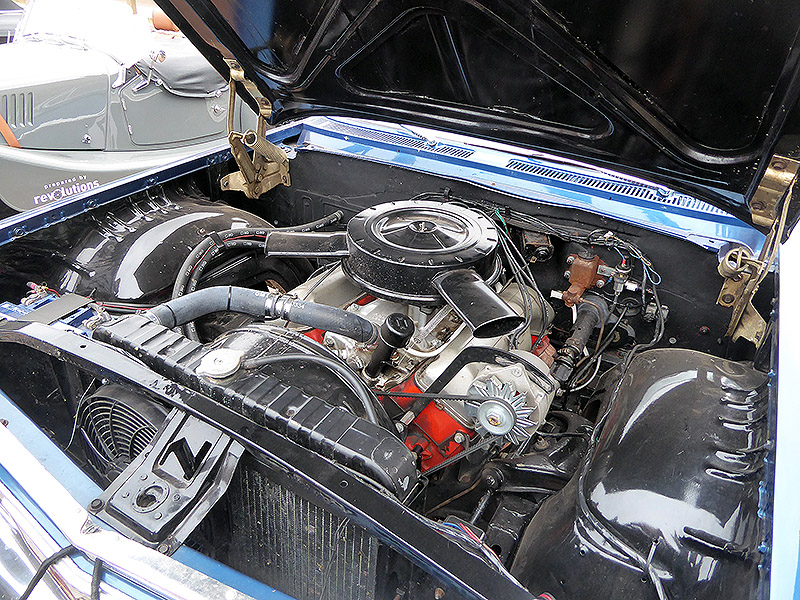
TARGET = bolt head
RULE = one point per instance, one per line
(96, 504)
(567, 274)
(600, 283)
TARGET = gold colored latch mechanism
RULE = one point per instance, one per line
(743, 272)
(269, 166)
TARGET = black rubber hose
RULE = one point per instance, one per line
(189, 307)
(246, 239)
(373, 409)
(220, 239)
(330, 219)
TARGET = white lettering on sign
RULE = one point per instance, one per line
(64, 192)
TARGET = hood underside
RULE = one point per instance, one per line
(691, 94)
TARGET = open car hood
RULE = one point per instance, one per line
(693, 95)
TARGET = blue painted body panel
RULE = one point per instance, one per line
(785, 569)
(510, 170)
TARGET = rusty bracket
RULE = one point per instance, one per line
(779, 176)
(269, 166)
(584, 273)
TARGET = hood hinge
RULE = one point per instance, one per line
(743, 273)
(778, 178)
(269, 166)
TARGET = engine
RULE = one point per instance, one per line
(460, 367)
(425, 274)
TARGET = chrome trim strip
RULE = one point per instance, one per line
(139, 564)
(25, 540)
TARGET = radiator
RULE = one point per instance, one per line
(295, 546)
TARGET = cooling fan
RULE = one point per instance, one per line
(116, 425)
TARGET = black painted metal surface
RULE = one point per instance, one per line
(670, 495)
(133, 252)
(306, 473)
(326, 429)
(692, 94)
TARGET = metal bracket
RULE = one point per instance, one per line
(169, 488)
(744, 273)
(778, 178)
(269, 166)
(738, 268)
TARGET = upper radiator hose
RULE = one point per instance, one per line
(189, 307)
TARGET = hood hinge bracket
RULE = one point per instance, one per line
(743, 273)
(269, 165)
(778, 178)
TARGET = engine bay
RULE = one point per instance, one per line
(524, 379)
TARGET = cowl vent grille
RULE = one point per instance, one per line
(621, 188)
(400, 140)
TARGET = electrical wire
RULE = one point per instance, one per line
(525, 280)
(46, 564)
(477, 543)
(97, 577)
(589, 379)
(78, 411)
(585, 363)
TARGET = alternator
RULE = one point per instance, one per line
(504, 412)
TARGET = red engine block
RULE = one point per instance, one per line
(432, 433)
